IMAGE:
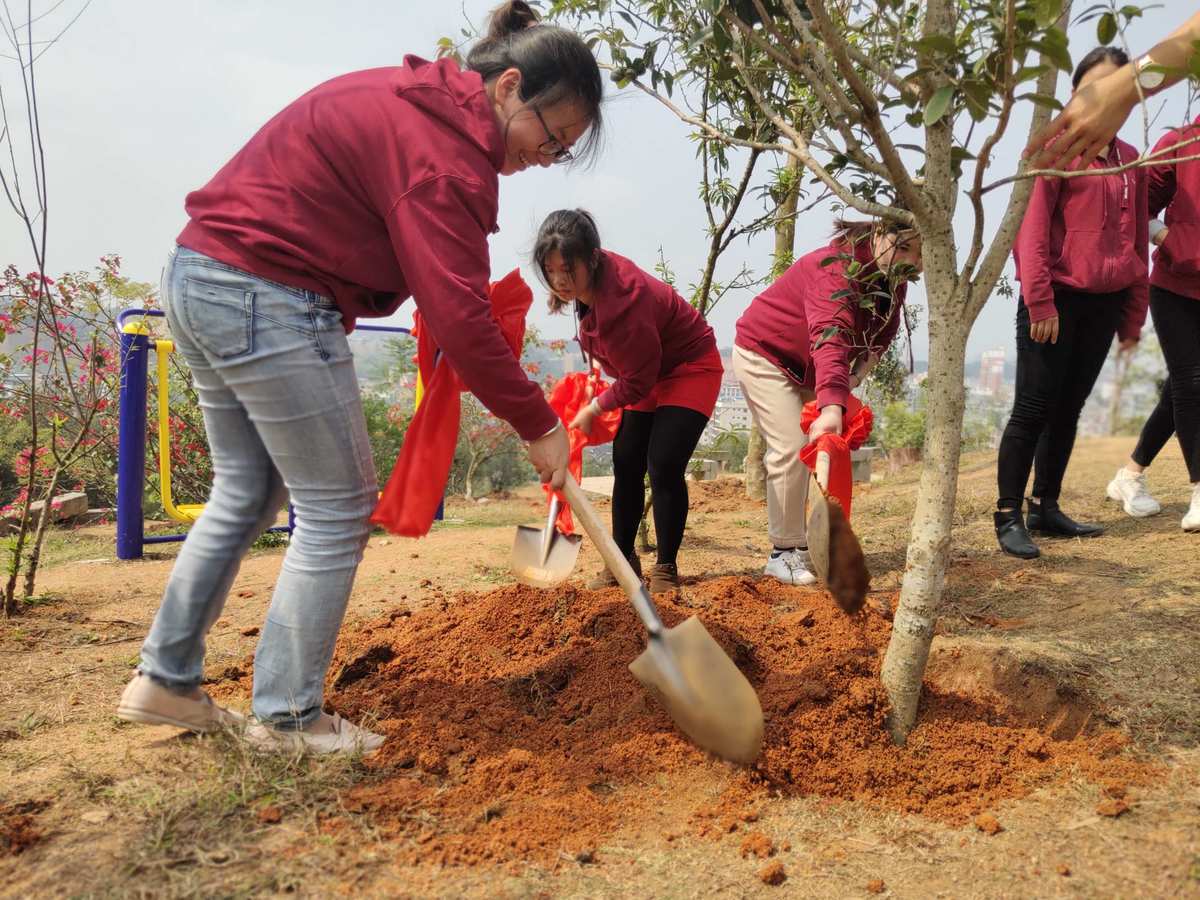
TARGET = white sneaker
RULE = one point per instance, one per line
(327, 734)
(791, 567)
(1191, 521)
(1129, 489)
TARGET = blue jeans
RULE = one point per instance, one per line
(281, 405)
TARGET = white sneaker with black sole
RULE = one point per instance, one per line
(791, 567)
(1129, 489)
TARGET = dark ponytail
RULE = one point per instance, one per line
(573, 233)
(555, 65)
(1114, 55)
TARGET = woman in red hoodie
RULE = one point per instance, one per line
(815, 334)
(371, 188)
(1082, 257)
(1175, 306)
(668, 373)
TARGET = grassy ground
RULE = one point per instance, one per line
(92, 807)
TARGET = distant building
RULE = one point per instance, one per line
(991, 372)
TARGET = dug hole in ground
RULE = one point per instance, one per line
(1055, 756)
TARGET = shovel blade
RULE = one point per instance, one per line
(704, 693)
(818, 532)
(528, 565)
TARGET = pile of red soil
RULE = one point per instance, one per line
(720, 495)
(517, 734)
(18, 828)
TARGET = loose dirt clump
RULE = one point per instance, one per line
(517, 734)
(988, 824)
(773, 873)
(757, 844)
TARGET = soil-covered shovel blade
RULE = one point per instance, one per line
(704, 693)
(544, 557)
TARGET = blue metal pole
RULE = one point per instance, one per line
(131, 440)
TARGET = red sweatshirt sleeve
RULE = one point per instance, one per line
(634, 351)
(1033, 249)
(1138, 300)
(831, 360)
(1162, 178)
(440, 241)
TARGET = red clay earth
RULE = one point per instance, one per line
(849, 579)
(18, 830)
(516, 733)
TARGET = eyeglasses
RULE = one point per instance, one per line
(552, 146)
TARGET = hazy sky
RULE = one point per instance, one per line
(143, 101)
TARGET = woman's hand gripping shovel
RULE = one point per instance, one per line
(703, 692)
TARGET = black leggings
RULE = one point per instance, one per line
(1157, 429)
(1177, 324)
(1053, 383)
(662, 442)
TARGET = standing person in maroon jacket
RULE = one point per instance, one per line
(664, 358)
(815, 334)
(1175, 307)
(371, 188)
(1082, 257)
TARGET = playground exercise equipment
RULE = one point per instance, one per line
(136, 344)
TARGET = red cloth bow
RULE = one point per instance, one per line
(570, 394)
(418, 482)
(856, 428)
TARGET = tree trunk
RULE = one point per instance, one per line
(756, 472)
(644, 527)
(1119, 375)
(469, 481)
(929, 542)
(785, 222)
(35, 554)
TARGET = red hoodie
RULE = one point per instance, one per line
(639, 329)
(786, 321)
(1089, 234)
(371, 188)
(1176, 188)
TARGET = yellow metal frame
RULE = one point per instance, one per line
(184, 512)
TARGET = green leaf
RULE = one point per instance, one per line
(1042, 100)
(938, 44)
(1106, 28)
(828, 334)
(938, 104)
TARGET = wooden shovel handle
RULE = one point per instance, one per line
(822, 470)
(583, 510)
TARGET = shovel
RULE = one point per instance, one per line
(703, 692)
(839, 564)
(543, 557)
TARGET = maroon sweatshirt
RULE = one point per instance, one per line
(1089, 234)
(639, 329)
(1176, 188)
(371, 188)
(790, 318)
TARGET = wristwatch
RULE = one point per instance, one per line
(1146, 79)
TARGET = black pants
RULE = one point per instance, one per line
(1053, 383)
(1158, 427)
(661, 442)
(1177, 324)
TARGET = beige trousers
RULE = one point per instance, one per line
(775, 402)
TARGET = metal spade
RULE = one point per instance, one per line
(703, 692)
(542, 557)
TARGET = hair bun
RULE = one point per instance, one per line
(509, 18)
